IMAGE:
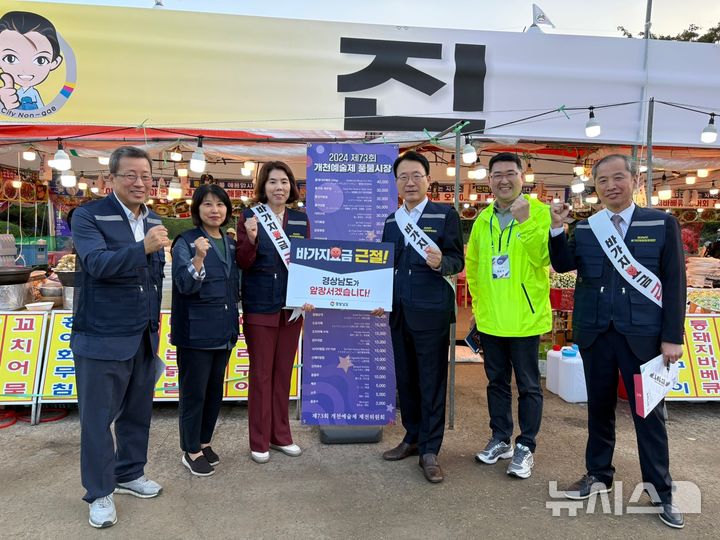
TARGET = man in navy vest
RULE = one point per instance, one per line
(114, 339)
(617, 327)
(423, 310)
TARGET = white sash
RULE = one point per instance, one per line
(632, 271)
(416, 237)
(270, 224)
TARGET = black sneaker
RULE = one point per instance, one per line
(586, 486)
(199, 466)
(211, 456)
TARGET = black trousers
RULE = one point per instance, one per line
(601, 362)
(201, 374)
(502, 356)
(421, 366)
(119, 391)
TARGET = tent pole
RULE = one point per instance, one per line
(453, 337)
(649, 173)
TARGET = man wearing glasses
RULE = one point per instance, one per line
(114, 338)
(428, 250)
(507, 274)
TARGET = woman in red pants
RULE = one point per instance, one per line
(271, 332)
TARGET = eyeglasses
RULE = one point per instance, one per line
(132, 177)
(417, 177)
(510, 175)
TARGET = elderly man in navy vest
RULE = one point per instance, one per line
(621, 320)
(114, 338)
(428, 249)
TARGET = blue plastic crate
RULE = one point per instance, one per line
(34, 254)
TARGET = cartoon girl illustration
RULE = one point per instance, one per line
(29, 51)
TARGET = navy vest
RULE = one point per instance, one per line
(128, 302)
(416, 285)
(602, 295)
(264, 285)
(208, 319)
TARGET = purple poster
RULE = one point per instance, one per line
(348, 374)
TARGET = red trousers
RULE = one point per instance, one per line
(272, 354)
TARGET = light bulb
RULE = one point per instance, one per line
(703, 173)
(654, 199)
(480, 172)
(472, 175)
(592, 198)
(709, 132)
(533, 195)
(643, 168)
(244, 171)
(690, 180)
(67, 179)
(17, 183)
(94, 188)
(51, 163)
(176, 156)
(665, 192)
(469, 154)
(714, 190)
(104, 160)
(556, 199)
(250, 165)
(188, 201)
(577, 185)
(529, 174)
(61, 160)
(717, 205)
(182, 173)
(150, 202)
(490, 200)
(29, 155)
(473, 196)
(700, 210)
(244, 198)
(197, 161)
(174, 190)
(82, 185)
(578, 168)
(300, 204)
(592, 127)
(466, 205)
(451, 167)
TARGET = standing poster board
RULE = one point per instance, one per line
(22, 342)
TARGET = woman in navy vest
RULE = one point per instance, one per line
(271, 335)
(204, 323)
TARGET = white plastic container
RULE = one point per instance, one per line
(571, 379)
(553, 369)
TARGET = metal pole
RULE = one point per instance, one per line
(649, 173)
(453, 337)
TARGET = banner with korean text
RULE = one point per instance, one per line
(348, 369)
(58, 374)
(699, 370)
(341, 274)
(22, 338)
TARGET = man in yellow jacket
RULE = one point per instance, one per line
(507, 273)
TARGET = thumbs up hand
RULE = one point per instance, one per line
(8, 94)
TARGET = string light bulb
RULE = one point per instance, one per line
(469, 154)
(17, 182)
(473, 197)
(529, 174)
(451, 166)
(592, 198)
(592, 127)
(174, 190)
(29, 154)
(714, 190)
(197, 161)
(61, 161)
(182, 172)
(250, 165)
(104, 160)
(703, 173)
(577, 185)
(67, 179)
(709, 133)
(244, 171)
(665, 191)
(578, 168)
(690, 180)
(176, 155)
(654, 199)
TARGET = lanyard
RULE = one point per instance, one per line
(492, 242)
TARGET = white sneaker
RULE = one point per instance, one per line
(292, 450)
(260, 457)
(522, 462)
(102, 512)
(141, 487)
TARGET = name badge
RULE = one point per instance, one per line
(501, 266)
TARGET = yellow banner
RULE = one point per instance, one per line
(699, 376)
(58, 382)
(21, 348)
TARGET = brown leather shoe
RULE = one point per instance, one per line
(401, 451)
(431, 468)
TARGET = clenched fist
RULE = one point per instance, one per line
(251, 225)
(520, 209)
(434, 257)
(156, 239)
(559, 213)
(201, 247)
